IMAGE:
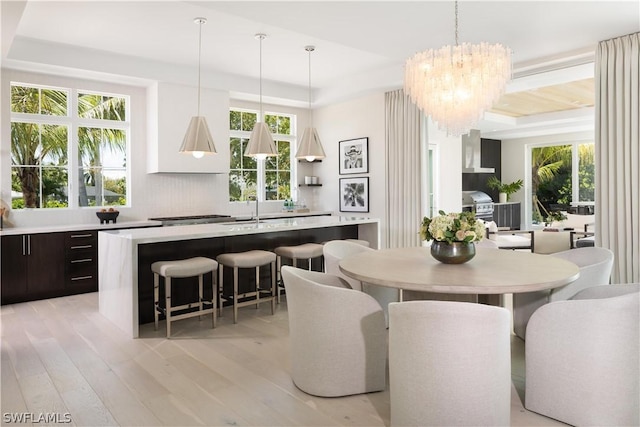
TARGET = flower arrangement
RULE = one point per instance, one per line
(452, 227)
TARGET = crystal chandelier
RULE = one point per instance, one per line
(456, 84)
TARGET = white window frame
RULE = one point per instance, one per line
(261, 170)
(575, 179)
(73, 123)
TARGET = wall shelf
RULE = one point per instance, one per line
(310, 185)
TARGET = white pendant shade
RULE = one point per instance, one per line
(310, 147)
(261, 143)
(198, 140)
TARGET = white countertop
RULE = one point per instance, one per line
(202, 231)
(283, 214)
(77, 227)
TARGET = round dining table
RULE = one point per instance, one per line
(491, 271)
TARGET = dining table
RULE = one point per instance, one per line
(490, 271)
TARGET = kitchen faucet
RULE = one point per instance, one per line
(257, 214)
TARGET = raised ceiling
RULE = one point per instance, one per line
(547, 99)
(361, 46)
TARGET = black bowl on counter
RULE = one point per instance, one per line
(106, 217)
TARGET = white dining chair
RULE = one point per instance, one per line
(595, 265)
(336, 250)
(337, 335)
(583, 358)
(449, 364)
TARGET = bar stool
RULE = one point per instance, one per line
(306, 251)
(191, 267)
(250, 259)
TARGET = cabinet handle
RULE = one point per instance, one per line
(23, 245)
(81, 260)
(81, 247)
(29, 245)
(82, 278)
(76, 236)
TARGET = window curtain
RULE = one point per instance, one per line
(404, 193)
(617, 143)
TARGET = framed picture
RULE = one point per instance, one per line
(354, 194)
(354, 156)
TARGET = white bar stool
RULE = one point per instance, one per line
(250, 259)
(191, 267)
(306, 251)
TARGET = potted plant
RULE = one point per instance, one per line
(555, 217)
(505, 190)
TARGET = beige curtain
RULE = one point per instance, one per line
(404, 192)
(617, 143)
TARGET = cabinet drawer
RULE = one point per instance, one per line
(81, 240)
(82, 267)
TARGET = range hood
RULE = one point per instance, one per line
(471, 153)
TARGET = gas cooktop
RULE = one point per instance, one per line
(193, 219)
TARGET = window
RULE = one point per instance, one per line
(562, 178)
(61, 136)
(246, 174)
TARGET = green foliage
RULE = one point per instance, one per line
(555, 217)
(509, 189)
(35, 145)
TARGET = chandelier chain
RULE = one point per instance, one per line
(456, 24)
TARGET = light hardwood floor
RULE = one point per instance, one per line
(60, 356)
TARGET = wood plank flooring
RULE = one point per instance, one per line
(62, 360)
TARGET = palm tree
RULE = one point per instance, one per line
(32, 143)
(353, 195)
(545, 164)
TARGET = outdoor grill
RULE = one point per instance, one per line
(478, 202)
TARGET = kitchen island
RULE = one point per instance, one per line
(125, 281)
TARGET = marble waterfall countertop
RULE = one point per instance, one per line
(118, 255)
(200, 231)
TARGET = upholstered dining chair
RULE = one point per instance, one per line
(595, 265)
(583, 358)
(449, 364)
(337, 335)
(336, 250)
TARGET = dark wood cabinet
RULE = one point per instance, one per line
(32, 267)
(507, 215)
(14, 267)
(81, 262)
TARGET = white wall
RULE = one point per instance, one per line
(448, 177)
(362, 117)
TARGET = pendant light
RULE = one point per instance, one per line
(310, 147)
(198, 140)
(261, 142)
